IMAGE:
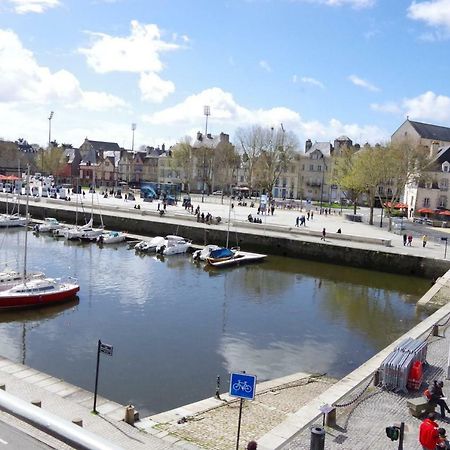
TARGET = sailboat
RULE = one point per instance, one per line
(11, 220)
(37, 291)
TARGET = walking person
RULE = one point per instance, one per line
(405, 238)
(424, 240)
(297, 221)
(428, 433)
(324, 234)
(443, 441)
(252, 445)
(410, 238)
(312, 215)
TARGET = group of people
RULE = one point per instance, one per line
(408, 238)
(254, 219)
(431, 436)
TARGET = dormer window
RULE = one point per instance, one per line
(446, 167)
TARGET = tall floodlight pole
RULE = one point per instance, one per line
(206, 113)
(50, 117)
(133, 128)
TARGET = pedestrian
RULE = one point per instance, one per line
(312, 215)
(424, 240)
(158, 206)
(303, 220)
(297, 221)
(307, 215)
(339, 231)
(437, 397)
(428, 433)
(324, 233)
(252, 445)
(405, 238)
(443, 442)
(410, 238)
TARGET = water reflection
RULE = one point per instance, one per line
(175, 326)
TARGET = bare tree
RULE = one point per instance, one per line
(183, 162)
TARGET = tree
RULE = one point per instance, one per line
(225, 165)
(183, 161)
(278, 152)
(345, 176)
(251, 144)
(51, 161)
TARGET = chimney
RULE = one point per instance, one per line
(199, 136)
(163, 147)
(308, 145)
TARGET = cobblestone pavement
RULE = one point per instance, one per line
(216, 429)
(361, 425)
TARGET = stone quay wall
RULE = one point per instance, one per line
(350, 253)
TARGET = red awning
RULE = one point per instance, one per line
(396, 205)
(425, 211)
(8, 178)
(444, 213)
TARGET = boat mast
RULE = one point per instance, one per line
(229, 219)
(27, 183)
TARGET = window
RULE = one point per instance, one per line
(319, 168)
(446, 167)
(442, 201)
(389, 192)
(426, 202)
(311, 167)
(381, 190)
(443, 184)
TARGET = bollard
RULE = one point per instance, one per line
(317, 438)
(3, 387)
(330, 418)
(129, 414)
(435, 330)
(376, 378)
(37, 403)
(78, 422)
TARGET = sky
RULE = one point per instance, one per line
(321, 68)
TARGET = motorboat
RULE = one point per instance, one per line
(151, 245)
(48, 226)
(173, 245)
(221, 254)
(91, 234)
(111, 237)
(61, 232)
(12, 220)
(205, 252)
(9, 278)
(236, 259)
(38, 292)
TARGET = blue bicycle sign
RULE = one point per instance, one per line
(243, 385)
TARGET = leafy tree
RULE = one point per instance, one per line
(51, 161)
(225, 166)
(182, 160)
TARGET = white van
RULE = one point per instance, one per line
(44, 192)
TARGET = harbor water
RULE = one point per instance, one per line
(175, 326)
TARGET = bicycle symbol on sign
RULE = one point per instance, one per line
(242, 385)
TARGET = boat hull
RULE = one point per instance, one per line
(37, 300)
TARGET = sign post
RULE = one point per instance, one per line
(242, 386)
(445, 239)
(108, 350)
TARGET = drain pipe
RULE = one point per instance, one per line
(61, 429)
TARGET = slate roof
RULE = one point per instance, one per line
(324, 147)
(428, 131)
(442, 155)
(100, 146)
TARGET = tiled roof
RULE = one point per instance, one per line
(428, 131)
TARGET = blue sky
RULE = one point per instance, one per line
(322, 68)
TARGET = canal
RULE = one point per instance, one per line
(175, 326)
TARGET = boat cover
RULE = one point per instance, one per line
(221, 253)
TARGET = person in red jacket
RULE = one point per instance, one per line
(428, 433)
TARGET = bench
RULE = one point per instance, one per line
(419, 406)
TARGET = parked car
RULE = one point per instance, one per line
(217, 193)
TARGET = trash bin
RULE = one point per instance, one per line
(317, 438)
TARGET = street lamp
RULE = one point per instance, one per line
(206, 113)
(133, 128)
(323, 180)
(50, 117)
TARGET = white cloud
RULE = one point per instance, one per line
(312, 81)
(227, 114)
(265, 66)
(33, 6)
(435, 13)
(427, 106)
(363, 83)
(23, 80)
(389, 107)
(358, 4)
(153, 88)
(138, 52)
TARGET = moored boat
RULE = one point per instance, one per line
(111, 237)
(205, 252)
(12, 220)
(38, 292)
(48, 226)
(10, 278)
(173, 245)
(151, 245)
(238, 258)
